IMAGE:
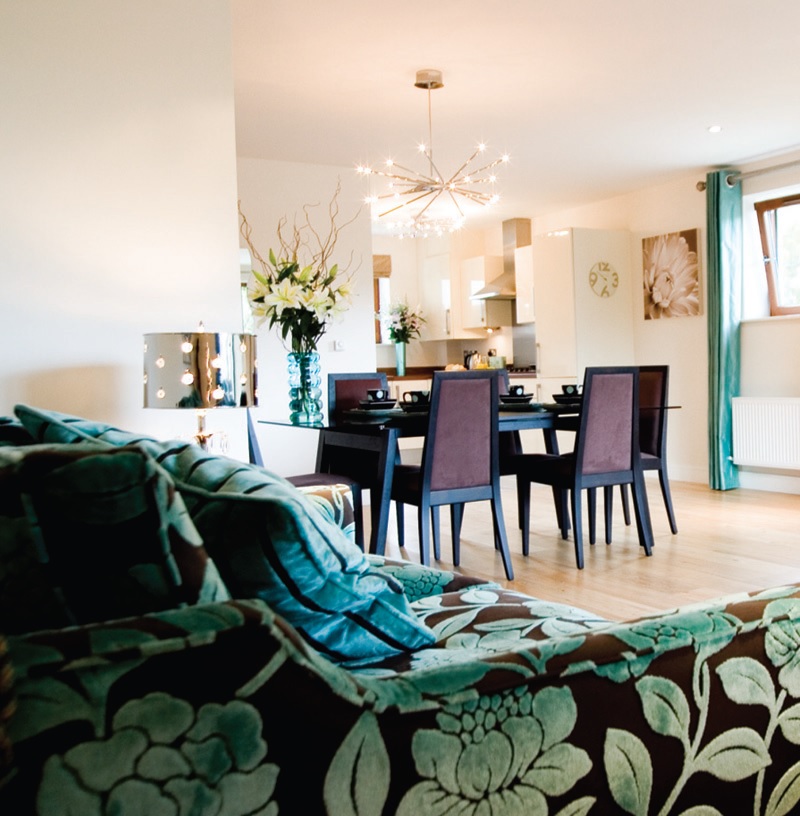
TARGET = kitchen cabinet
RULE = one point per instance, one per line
(523, 276)
(445, 287)
(583, 287)
(436, 298)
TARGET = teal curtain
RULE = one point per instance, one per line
(724, 230)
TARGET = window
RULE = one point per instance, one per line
(779, 226)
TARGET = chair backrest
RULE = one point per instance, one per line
(510, 441)
(461, 446)
(608, 434)
(653, 386)
(346, 390)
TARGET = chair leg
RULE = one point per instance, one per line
(456, 518)
(562, 515)
(524, 510)
(500, 533)
(608, 509)
(423, 524)
(436, 530)
(642, 512)
(399, 510)
(591, 504)
(562, 496)
(665, 492)
(358, 512)
(626, 508)
(577, 530)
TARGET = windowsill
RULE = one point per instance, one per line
(771, 318)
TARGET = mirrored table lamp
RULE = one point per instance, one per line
(200, 370)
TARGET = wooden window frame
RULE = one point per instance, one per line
(766, 212)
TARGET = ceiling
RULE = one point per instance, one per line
(591, 98)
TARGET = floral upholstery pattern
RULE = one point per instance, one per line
(691, 712)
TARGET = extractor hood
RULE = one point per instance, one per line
(516, 233)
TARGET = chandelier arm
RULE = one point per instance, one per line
(422, 211)
(413, 173)
(406, 203)
(455, 203)
(465, 164)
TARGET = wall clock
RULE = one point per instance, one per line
(603, 279)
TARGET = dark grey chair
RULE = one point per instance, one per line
(606, 454)
(653, 411)
(460, 460)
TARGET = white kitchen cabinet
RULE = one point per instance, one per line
(445, 287)
(436, 295)
(584, 317)
(523, 275)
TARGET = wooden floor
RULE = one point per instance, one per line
(732, 541)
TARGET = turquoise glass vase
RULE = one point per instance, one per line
(400, 358)
(305, 388)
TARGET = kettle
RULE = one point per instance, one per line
(471, 359)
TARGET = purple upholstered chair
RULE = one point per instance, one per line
(357, 469)
(460, 459)
(653, 391)
(606, 454)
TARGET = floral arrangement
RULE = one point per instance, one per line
(301, 298)
(404, 324)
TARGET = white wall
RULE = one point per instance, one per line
(681, 342)
(269, 191)
(118, 198)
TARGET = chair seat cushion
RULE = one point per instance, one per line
(270, 542)
(546, 468)
(650, 461)
(406, 481)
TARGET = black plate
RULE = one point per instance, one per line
(515, 398)
(415, 407)
(568, 399)
(377, 405)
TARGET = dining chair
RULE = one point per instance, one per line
(358, 469)
(460, 460)
(510, 447)
(606, 453)
(344, 466)
(653, 411)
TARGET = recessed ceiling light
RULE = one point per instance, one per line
(714, 128)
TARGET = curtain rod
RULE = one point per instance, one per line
(732, 178)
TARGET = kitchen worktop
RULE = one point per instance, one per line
(426, 372)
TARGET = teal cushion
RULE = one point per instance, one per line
(105, 530)
(270, 542)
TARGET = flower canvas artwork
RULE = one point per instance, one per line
(671, 275)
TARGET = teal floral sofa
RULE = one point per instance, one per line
(471, 699)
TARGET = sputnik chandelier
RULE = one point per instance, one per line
(419, 204)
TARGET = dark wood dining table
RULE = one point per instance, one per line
(362, 444)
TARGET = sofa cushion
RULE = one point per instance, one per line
(270, 542)
(13, 433)
(104, 535)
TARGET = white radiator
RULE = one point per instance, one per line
(766, 432)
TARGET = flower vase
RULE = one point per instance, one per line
(400, 358)
(305, 388)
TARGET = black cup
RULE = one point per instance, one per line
(571, 389)
(417, 397)
(377, 394)
(516, 390)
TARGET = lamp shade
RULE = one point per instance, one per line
(199, 370)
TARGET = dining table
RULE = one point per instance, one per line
(361, 443)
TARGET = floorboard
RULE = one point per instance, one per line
(727, 542)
